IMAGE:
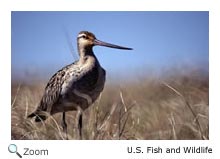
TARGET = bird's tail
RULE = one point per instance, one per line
(39, 116)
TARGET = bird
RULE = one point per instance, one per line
(76, 86)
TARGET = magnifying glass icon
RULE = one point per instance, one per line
(12, 148)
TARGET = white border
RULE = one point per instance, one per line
(107, 149)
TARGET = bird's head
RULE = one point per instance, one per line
(87, 39)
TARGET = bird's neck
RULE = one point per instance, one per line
(84, 51)
(86, 55)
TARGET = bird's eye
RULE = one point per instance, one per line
(84, 37)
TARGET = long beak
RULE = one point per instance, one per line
(101, 43)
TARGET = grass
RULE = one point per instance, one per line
(174, 106)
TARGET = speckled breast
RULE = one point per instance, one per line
(92, 83)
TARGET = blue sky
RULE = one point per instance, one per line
(41, 40)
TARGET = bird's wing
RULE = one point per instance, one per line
(55, 86)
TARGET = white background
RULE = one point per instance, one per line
(108, 149)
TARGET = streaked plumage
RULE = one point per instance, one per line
(75, 86)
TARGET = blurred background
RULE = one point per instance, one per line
(42, 42)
